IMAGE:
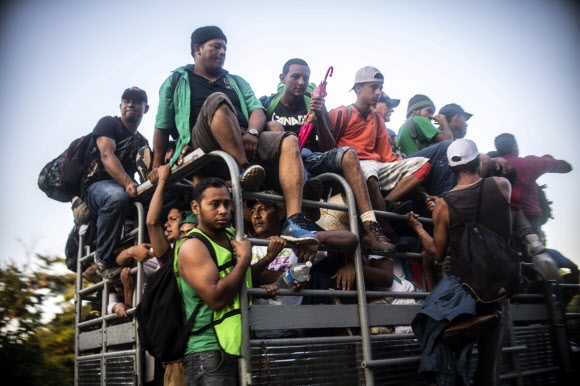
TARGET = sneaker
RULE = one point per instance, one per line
(252, 177)
(91, 274)
(399, 207)
(81, 212)
(295, 230)
(374, 240)
(534, 245)
(313, 191)
(143, 163)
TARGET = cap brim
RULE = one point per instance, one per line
(467, 116)
(394, 103)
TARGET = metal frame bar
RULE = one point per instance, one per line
(195, 162)
(104, 319)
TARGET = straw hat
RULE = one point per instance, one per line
(331, 219)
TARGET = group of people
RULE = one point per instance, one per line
(423, 169)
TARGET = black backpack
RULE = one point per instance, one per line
(161, 329)
(60, 179)
(487, 267)
(545, 205)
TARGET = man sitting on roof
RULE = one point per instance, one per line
(320, 154)
(205, 107)
(359, 127)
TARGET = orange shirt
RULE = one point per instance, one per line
(369, 138)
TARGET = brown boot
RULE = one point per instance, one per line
(373, 239)
(91, 274)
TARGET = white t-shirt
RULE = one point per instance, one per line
(285, 258)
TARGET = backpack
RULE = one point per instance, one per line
(544, 205)
(340, 124)
(413, 132)
(60, 179)
(487, 267)
(161, 329)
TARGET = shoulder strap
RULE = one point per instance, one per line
(412, 131)
(479, 199)
(207, 243)
(342, 124)
(174, 79)
(203, 238)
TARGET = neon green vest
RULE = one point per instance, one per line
(226, 323)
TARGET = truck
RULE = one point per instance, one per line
(536, 348)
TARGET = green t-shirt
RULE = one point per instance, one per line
(426, 131)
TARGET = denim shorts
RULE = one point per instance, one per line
(210, 368)
(324, 162)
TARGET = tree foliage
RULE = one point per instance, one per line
(33, 352)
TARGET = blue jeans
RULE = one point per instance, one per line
(441, 179)
(324, 162)
(210, 368)
(109, 204)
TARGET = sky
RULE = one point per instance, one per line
(64, 65)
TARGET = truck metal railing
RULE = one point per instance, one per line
(364, 358)
(98, 344)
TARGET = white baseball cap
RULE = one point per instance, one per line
(461, 151)
(368, 74)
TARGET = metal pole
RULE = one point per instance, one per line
(360, 282)
(244, 363)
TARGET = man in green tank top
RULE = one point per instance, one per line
(210, 283)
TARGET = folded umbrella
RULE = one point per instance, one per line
(308, 124)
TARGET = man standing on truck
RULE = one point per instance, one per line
(203, 106)
(107, 184)
(528, 170)
(210, 283)
(449, 301)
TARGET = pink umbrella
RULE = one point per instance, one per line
(308, 124)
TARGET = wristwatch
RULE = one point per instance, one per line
(254, 132)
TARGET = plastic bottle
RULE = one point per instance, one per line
(296, 274)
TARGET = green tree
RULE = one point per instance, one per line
(33, 353)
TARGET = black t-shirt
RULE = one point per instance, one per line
(127, 146)
(292, 118)
(202, 88)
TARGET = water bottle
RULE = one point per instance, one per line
(296, 274)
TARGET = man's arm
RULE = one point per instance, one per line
(128, 286)
(154, 223)
(338, 239)
(383, 144)
(326, 140)
(444, 131)
(160, 145)
(260, 273)
(113, 166)
(139, 252)
(561, 165)
(436, 246)
(200, 271)
(257, 120)
(504, 187)
(380, 272)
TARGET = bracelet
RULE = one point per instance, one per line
(424, 232)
